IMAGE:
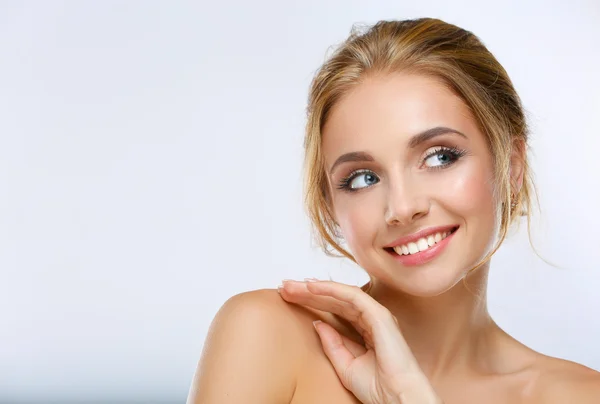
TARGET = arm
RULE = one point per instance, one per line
(246, 356)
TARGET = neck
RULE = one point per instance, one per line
(449, 333)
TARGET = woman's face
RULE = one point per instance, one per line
(408, 165)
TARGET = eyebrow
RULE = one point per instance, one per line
(412, 143)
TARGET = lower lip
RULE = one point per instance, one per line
(423, 257)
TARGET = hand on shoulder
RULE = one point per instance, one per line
(248, 354)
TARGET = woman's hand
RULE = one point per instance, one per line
(384, 371)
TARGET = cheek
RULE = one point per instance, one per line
(358, 217)
(471, 194)
(474, 191)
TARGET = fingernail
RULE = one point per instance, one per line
(311, 280)
(279, 288)
(316, 322)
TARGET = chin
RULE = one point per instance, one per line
(428, 280)
(428, 283)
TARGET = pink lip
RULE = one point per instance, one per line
(423, 257)
(423, 233)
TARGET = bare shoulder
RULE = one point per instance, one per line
(564, 381)
(264, 306)
(275, 316)
(252, 351)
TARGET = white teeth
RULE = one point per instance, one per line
(412, 248)
(422, 244)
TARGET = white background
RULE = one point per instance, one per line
(150, 168)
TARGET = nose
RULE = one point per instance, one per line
(405, 204)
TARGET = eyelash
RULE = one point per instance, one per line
(454, 152)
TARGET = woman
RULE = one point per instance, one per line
(416, 160)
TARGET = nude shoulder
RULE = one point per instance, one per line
(267, 305)
(264, 314)
(263, 311)
(253, 351)
(564, 381)
(315, 378)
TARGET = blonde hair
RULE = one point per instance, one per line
(430, 47)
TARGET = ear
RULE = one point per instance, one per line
(518, 157)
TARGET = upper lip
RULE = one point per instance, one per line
(420, 234)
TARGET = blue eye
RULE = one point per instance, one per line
(440, 157)
(357, 180)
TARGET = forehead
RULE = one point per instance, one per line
(392, 108)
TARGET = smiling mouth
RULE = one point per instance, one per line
(422, 244)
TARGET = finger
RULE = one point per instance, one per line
(370, 312)
(355, 348)
(380, 328)
(297, 292)
(347, 293)
(340, 350)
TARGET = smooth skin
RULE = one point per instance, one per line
(433, 320)
(380, 368)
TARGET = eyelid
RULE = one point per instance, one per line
(357, 167)
(352, 174)
(434, 149)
